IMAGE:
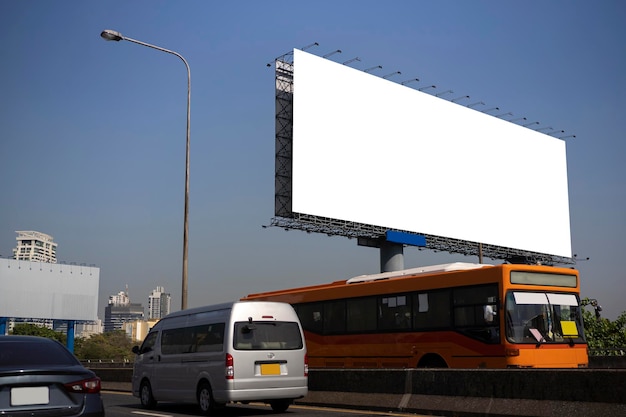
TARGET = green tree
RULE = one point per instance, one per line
(604, 336)
(115, 345)
(28, 329)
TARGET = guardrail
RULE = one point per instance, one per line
(595, 362)
(107, 363)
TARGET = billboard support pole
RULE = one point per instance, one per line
(70, 335)
(391, 256)
(3, 326)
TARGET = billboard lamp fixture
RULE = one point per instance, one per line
(545, 128)
(493, 108)
(409, 81)
(519, 118)
(558, 132)
(309, 46)
(391, 75)
(476, 104)
(532, 123)
(504, 114)
(352, 60)
(565, 137)
(445, 92)
(338, 51)
(373, 68)
(427, 87)
(454, 100)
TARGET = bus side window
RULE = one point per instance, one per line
(335, 317)
(394, 312)
(431, 310)
(311, 316)
(475, 312)
(361, 314)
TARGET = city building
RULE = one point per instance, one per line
(137, 330)
(159, 303)
(84, 329)
(120, 311)
(35, 246)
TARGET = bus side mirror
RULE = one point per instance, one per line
(135, 350)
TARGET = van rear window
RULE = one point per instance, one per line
(270, 335)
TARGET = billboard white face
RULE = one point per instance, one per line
(48, 291)
(372, 151)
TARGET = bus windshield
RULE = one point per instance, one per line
(543, 317)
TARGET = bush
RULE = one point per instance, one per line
(115, 345)
(604, 337)
(28, 329)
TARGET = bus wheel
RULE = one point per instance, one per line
(145, 395)
(205, 398)
(280, 406)
(432, 361)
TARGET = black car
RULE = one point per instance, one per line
(40, 377)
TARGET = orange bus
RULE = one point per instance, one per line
(457, 315)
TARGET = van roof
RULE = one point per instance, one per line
(214, 307)
(189, 311)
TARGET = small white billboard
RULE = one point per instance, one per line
(48, 291)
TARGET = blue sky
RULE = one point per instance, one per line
(92, 133)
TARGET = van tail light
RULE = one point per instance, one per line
(306, 365)
(86, 386)
(230, 367)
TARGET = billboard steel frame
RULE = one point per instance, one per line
(285, 218)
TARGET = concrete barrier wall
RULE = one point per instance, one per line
(538, 384)
(607, 362)
(453, 392)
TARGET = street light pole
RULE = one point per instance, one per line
(111, 35)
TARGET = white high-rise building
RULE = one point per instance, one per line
(120, 299)
(35, 246)
(159, 303)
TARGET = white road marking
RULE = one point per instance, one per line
(143, 413)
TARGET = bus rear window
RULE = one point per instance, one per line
(539, 278)
(261, 335)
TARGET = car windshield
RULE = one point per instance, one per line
(23, 353)
(539, 317)
(260, 335)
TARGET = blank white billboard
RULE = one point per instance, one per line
(48, 291)
(372, 151)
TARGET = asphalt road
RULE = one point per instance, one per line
(123, 404)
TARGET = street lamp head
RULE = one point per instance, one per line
(111, 35)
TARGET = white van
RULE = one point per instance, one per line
(237, 352)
